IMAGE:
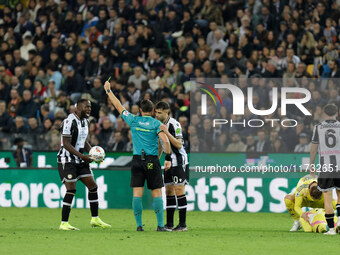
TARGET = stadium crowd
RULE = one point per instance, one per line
(56, 52)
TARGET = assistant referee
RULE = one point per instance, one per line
(145, 164)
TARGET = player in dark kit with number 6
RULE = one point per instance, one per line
(73, 165)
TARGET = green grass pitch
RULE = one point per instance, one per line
(35, 231)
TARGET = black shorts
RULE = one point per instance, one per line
(328, 181)
(177, 175)
(72, 172)
(149, 170)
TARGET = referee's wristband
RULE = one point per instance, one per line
(168, 157)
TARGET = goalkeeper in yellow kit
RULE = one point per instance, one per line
(306, 195)
(316, 221)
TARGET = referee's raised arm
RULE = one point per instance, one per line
(114, 100)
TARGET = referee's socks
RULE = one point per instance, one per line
(158, 206)
(137, 207)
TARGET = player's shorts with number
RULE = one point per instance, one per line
(149, 170)
(177, 175)
(72, 172)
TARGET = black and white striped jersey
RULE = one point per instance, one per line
(78, 130)
(179, 156)
(327, 135)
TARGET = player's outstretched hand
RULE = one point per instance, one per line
(87, 158)
(167, 165)
(107, 86)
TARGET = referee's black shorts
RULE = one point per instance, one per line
(149, 170)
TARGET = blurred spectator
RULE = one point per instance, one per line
(334, 69)
(137, 77)
(63, 102)
(92, 66)
(219, 43)
(18, 60)
(27, 107)
(45, 112)
(262, 145)
(279, 146)
(4, 92)
(129, 144)
(27, 45)
(303, 145)
(289, 136)
(34, 131)
(236, 144)
(118, 144)
(55, 75)
(74, 84)
(4, 77)
(133, 93)
(220, 144)
(14, 102)
(97, 90)
(105, 133)
(22, 156)
(5, 119)
(250, 143)
(39, 94)
(45, 136)
(19, 127)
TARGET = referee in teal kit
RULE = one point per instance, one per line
(145, 164)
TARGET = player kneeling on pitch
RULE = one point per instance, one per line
(73, 165)
(177, 176)
(306, 195)
(315, 221)
(326, 141)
